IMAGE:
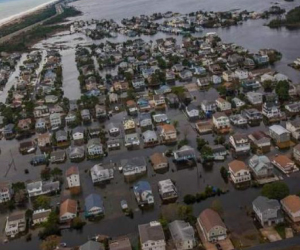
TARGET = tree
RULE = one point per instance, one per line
(55, 172)
(77, 223)
(189, 199)
(46, 174)
(282, 90)
(50, 243)
(206, 152)
(275, 190)
(42, 201)
(267, 85)
(200, 143)
(220, 140)
(224, 174)
(184, 212)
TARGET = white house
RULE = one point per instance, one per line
(152, 236)
(254, 98)
(55, 120)
(239, 173)
(73, 177)
(221, 121)
(238, 102)
(240, 143)
(294, 128)
(183, 235)
(223, 105)
(100, 174)
(68, 210)
(5, 192)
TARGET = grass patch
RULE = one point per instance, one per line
(280, 229)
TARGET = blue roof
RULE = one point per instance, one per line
(93, 200)
(142, 186)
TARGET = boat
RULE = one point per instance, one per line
(31, 150)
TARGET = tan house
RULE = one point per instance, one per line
(168, 133)
(239, 172)
(284, 164)
(40, 216)
(159, 161)
(68, 210)
(129, 126)
(204, 127)
(296, 153)
(44, 140)
(122, 243)
(291, 205)
(211, 225)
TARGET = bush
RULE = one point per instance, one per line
(224, 174)
(275, 190)
(189, 199)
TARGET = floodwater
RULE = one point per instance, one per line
(251, 35)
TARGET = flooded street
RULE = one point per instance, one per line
(252, 35)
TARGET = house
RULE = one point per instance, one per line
(131, 140)
(293, 108)
(192, 112)
(208, 106)
(94, 148)
(6, 192)
(185, 153)
(91, 245)
(25, 124)
(40, 216)
(143, 193)
(152, 236)
(186, 75)
(41, 111)
(76, 154)
(15, 224)
(211, 226)
(113, 144)
(143, 104)
(37, 188)
(85, 115)
(167, 190)
(221, 122)
(255, 98)
(159, 161)
(249, 85)
(241, 74)
(68, 210)
(267, 211)
(55, 120)
(129, 126)
(238, 102)
(271, 111)
(204, 127)
(101, 174)
(73, 177)
(253, 116)
(51, 99)
(93, 205)
(61, 137)
(280, 135)
(294, 128)
(159, 101)
(58, 156)
(183, 235)
(238, 120)
(70, 118)
(145, 122)
(261, 166)
(204, 82)
(172, 100)
(133, 167)
(240, 143)
(113, 130)
(296, 153)
(239, 172)
(168, 133)
(260, 141)
(44, 140)
(284, 164)
(27, 147)
(160, 119)
(9, 131)
(121, 243)
(78, 135)
(219, 152)
(223, 105)
(291, 206)
(100, 111)
(150, 138)
(40, 125)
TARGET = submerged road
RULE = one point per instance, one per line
(279, 245)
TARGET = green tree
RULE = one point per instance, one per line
(275, 190)
(46, 174)
(216, 205)
(42, 201)
(189, 199)
(50, 243)
(77, 223)
(206, 152)
(56, 172)
(201, 143)
(282, 90)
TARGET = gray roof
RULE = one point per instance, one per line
(152, 231)
(181, 230)
(93, 200)
(259, 162)
(263, 203)
(91, 245)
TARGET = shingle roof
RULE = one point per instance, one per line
(152, 231)
(93, 200)
(209, 219)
